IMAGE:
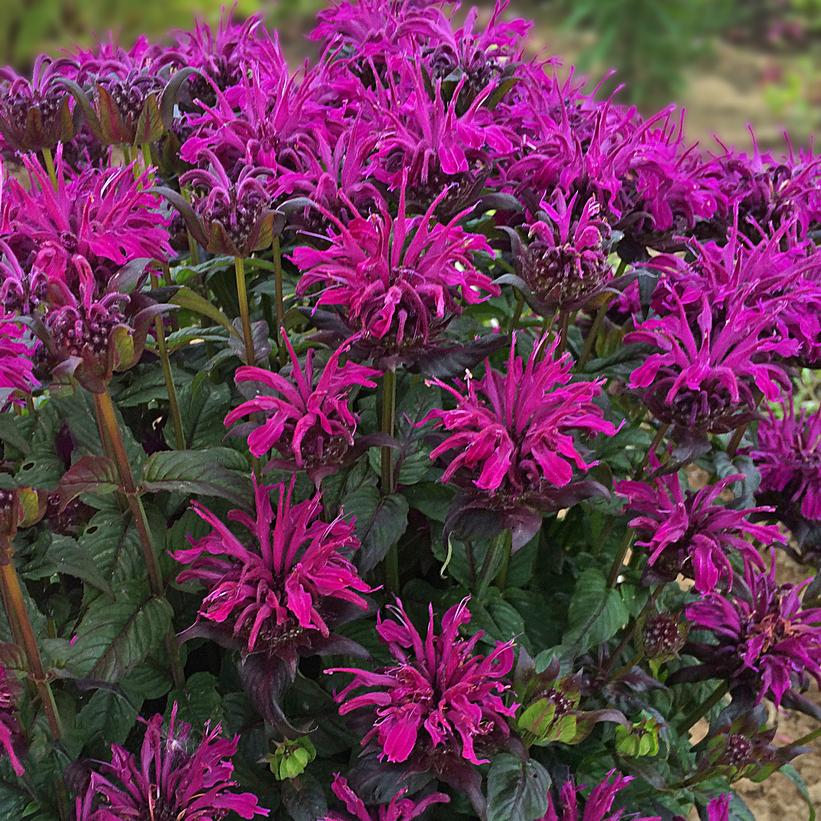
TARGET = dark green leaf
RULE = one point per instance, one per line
(516, 789)
(380, 522)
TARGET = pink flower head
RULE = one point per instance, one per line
(788, 457)
(22, 290)
(171, 779)
(758, 274)
(396, 281)
(9, 728)
(719, 808)
(513, 431)
(278, 593)
(598, 806)
(229, 216)
(399, 808)
(309, 420)
(16, 354)
(34, 114)
(690, 532)
(371, 28)
(438, 689)
(433, 142)
(102, 218)
(763, 634)
(565, 263)
(704, 373)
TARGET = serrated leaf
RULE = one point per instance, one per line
(380, 522)
(596, 612)
(211, 472)
(516, 789)
(304, 798)
(192, 301)
(203, 406)
(112, 544)
(66, 557)
(11, 434)
(114, 637)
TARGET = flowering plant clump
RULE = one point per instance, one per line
(420, 416)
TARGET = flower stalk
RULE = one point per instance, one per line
(245, 315)
(23, 632)
(701, 710)
(387, 474)
(107, 419)
(48, 159)
(173, 401)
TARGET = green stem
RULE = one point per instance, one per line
(48, 158)
(18, 616)
(173, 402)
(564, 320)
(517, 312)
(245, 315)
(806, 739)
(628, 635)
(279, 303)
(387, 472)
(107, 418)
(618, 562)
(497, 555)
(589, 343)
(623, 671)
(662, 430)
(701, 710)
(738, 435)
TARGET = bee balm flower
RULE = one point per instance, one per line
(171, 779)
(440, 699)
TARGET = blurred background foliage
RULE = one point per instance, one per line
(728, 61)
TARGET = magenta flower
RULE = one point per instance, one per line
(372, 28)
(433, 142)
(565, 263)
(399, 808)
(789, 459)
(173, 778)
(283, 591)
(34, 114)
(16, 355)
(232, 217)
(104, 218)
(764, 637)
(21, 290)
(440, 699)
(309, 420)
(598, 806)
(688, 532)
(513, 431)
(395, 281)
(90, 337)
(9, 728)
(705, 373)
(719, 808)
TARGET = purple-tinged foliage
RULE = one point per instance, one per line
(309, 420)
(440, 699)
(763, 636)
(278, 591)
(400, 808)
(691, 532)
(174, 777)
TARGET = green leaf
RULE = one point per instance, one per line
(199, 701)
(203, 406)
(516, 789)
(115, 636)
(66, 557)
(790, 772)
(596, 612)
(108, 716)
(192, 301)
(11, 433)
(112, 544)
(211, 472)
(380, 522)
